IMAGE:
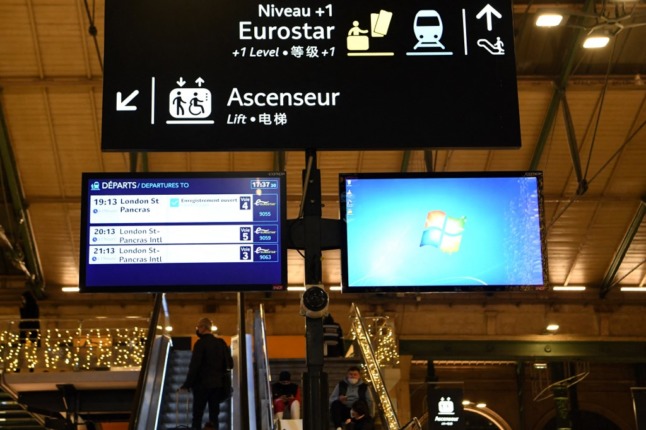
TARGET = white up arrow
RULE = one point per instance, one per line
(123, 104)
(489, 11)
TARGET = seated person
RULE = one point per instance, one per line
(360, 418)
(286, 395)
(346, 392)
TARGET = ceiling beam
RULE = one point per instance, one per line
(279, 161)
(574, 147)
(405, 161)
(613, 268)
(428, 160)
(547, 350)
(31, 264)
(559, 90)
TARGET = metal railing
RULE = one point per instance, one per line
(413, 424)
(264, 374)
(72, 344)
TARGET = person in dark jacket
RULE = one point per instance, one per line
(333, 338)
(286, 396)
(29, 313)
(207, 373)
(345, 394)
(360, 418)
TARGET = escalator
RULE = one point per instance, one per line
(13, 415)
(176, 408)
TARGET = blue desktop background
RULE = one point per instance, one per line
(500, 245)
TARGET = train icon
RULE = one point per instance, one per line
(428, 29)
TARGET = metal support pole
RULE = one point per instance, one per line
(242, 363)
(315, 411)
(561, 397)
(520, 389)
(562, 406)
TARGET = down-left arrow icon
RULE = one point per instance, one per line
(123, 104)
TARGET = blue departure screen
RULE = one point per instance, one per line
(183, 232)
(442, 232)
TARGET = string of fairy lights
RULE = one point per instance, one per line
(53, 349)
(381, 331)
(362, 335)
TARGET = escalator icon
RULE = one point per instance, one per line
(493, 48)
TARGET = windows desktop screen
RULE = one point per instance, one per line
(442, 232)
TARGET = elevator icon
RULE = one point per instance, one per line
(189, 105)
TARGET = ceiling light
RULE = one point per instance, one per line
(70, 289)
(568, 288)
(466, 402)
(540, 366)
(296, 288)
(552, 327)
(335, 288)
(549, 20)
(481, 405)
(597, 38)
(634, 289)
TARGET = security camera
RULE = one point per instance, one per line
(314, 302)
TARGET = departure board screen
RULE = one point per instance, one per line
(183, 232)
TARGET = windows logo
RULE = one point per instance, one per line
(443, 232)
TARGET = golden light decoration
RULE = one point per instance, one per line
(382, 335)
(57, 348)
(372, 368)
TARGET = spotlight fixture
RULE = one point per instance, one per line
(552, 327)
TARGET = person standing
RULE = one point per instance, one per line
(207, 373)
(29, 314)
(345, 393)
(29, 327)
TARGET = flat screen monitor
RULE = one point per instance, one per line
(442, 232)
(183, 232)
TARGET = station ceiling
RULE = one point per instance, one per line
(582, 112)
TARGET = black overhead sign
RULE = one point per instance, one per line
(225, 75)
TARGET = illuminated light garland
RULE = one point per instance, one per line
(372, 368)
(382, 334)
(56, 349)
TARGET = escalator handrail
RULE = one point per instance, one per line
(265, 362)
(146, 363)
